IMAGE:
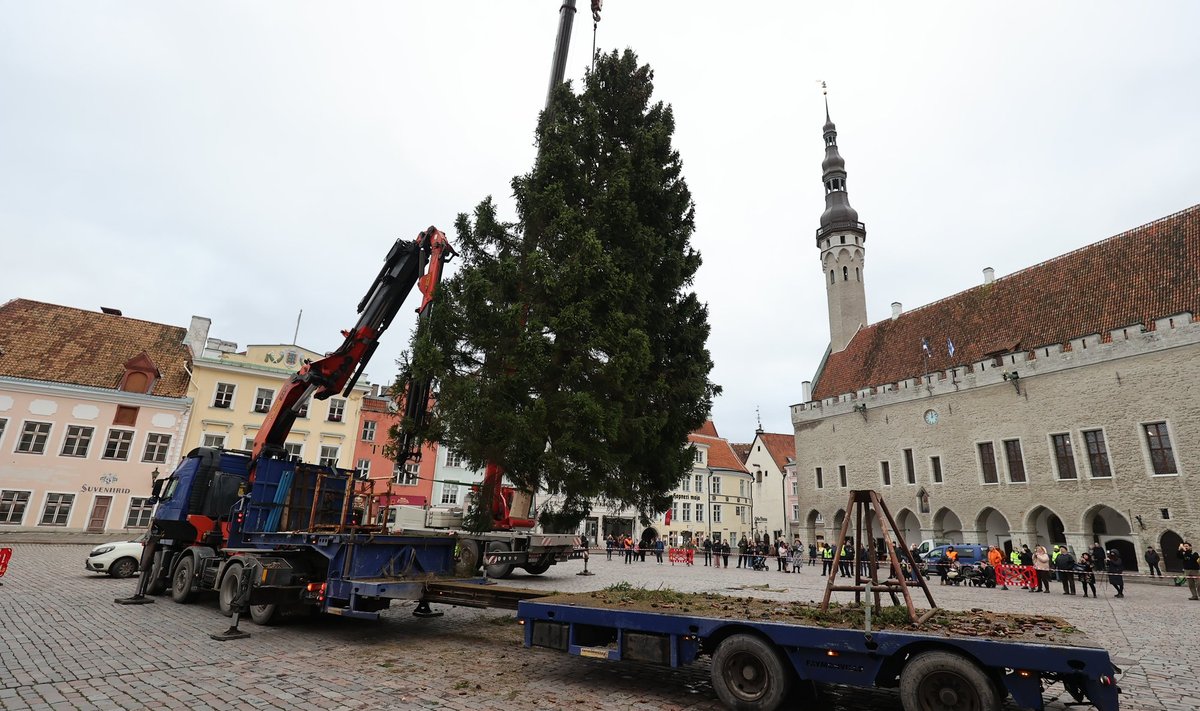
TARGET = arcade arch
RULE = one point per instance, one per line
(1046, 527)
(947, 526)
(994, 529)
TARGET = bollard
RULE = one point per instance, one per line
(585, 562)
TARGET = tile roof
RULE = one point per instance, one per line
(742, 451)
(61, 344)
(708, 429)
(1147, 273)
(780, 446)
(720, 453)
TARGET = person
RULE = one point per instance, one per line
(609, 544)
(707, 545)
(1097, 551)
(847, 557)
(1152, 559)
(812, 554)
(781, 557)
(741, 546)
(1115, 568)
(1087, 575)
(1041, 567)
(826, 559)
(691, 551)
(797, 556)
(1191, 568)
(996, 559)
(864, 562)
(658, 550)
(1064, 563)
(725, 553)
(628, 550)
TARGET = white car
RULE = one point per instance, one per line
(120, 559)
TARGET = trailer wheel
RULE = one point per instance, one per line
(156, 585)
(749, 675)
(500, 570)
(468, 558)
(943, 681)
(539, 567)
(123, 568)
(264, 614)
(182, 584)
(229, 589)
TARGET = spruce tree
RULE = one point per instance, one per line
(569, 347)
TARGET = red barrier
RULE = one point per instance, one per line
(681, 555)
(1016, 576)
(5, 556)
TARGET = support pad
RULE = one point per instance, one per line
(135, 600)
(423, 610)
(231, 633)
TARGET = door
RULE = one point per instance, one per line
(99, 514)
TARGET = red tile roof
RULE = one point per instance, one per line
(61, 344)
(708, 429)
(780, 446)
(1147, 273)
(742, 451)
(720, 453)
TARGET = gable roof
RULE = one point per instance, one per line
(60, 344)
(780, 446)
(1147, 273)
(708, 429)
(742, 451)
(720, 453)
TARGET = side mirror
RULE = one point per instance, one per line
(156, 490)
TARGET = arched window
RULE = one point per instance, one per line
(857, 275)
(845, 274)
(831, 279)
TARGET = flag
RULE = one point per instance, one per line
(925, 345)
(667, 518)
(950, 346)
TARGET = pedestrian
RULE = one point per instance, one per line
(864, 563)
(1041, 568)
(797, 556)
(1097, 551)
(609, 544)
(826, 559)
(690, 547)
(812, 554)
(1152, 559)
(707, 547)
(658, 550)
(741, 546)
(725, 553)
(781, 557)
(1115, 568)
(1087, 575)
(1191, 568)
(996, 559)
(1064, 563)
(847, 556)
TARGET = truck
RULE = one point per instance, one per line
(759, 664)
(293, 535)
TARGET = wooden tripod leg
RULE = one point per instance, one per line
(880, 511)
(921, 582)
(837, 554)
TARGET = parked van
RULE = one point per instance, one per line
(968, 553)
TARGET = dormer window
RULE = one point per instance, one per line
(140, 374)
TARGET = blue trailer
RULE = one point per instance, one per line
(758, 665)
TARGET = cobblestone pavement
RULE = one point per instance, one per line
(65, 645)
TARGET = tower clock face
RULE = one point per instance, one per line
(931, 417)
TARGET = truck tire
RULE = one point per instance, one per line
(468, 559)
(182, 582)
(230, 587)
(264, 614)
(156, 585)
(539, 567)
(123, 567)
(748, 674)
(944, 681)
(500, 570)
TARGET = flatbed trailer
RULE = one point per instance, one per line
(757, 665)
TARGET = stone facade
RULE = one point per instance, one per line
(946, 420)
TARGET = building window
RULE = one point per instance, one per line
(699, 456)
(842, 475)
(140, 510)
(716, 513)
(686, 484)
(126, 416)
(337, 408)
(156, 447)
(795, 487)
(687, 511)
(213, 440)
(329, 456)
(699, 483)
(58, 509)
(758, 476)
(820, 479)
(674, 510)
(362, 470)
(302, 411)
(368, 432)
(262, 399)
(1097, 452)
(293, 449)
(1162, 457)
(987, 462)
(1016, 461)
(449, 494)
(224, 396)
(699, 513)
(453, 458)
(33, 438)
(248, 444)
(909, 470)
(1064, 456)
(3, 424)
(117, 446)
(742, 488)
(885, 469)
(935, 464)
(12, 506)
(78, 441)
(405, 475)
(716, 484)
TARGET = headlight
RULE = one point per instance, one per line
(101, 550)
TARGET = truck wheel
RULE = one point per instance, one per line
(468, 559)
(943, 681)
(749, 675)
(123, 568)
(500, 570)
(182, 584)
(538, 568)
(156, 585)
(264, 614)
(230, 587)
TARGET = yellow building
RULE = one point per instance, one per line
(233, 391)
(714, 500)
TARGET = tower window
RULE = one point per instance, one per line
(831, 278)
(843, 239)
(857, 275)
(845, 274)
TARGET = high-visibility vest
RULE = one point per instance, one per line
(1015, 558)
(827, 553)
(1054, 556)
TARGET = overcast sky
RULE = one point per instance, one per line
(243, 161)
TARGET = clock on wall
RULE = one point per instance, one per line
(931, 417)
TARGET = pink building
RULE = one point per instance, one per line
(91, 405)
(412, 484)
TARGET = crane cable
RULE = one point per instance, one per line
(596, 6)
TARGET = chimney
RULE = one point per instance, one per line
(896, 309)
(989, 275)
(197, 335)
(374, 389)
(806, 391)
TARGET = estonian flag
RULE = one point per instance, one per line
(925, 345)
(950, 346)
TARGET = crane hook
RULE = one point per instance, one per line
(596, 5)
